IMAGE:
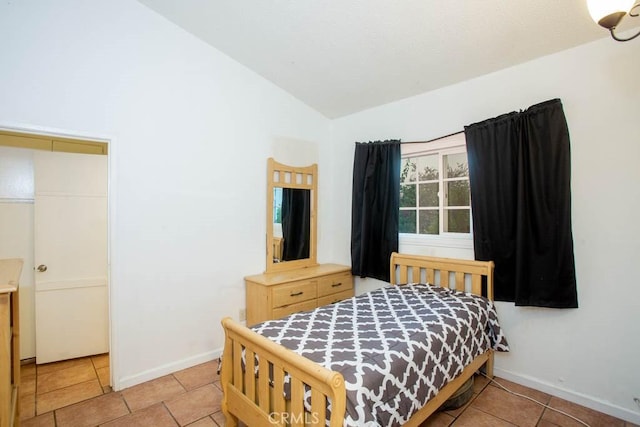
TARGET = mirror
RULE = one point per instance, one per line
(291, 223)
(291, 216)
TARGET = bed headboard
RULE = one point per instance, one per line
(462, 275)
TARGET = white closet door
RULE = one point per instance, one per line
(70, 216)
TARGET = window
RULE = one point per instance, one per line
(277, 205)
(434, 188)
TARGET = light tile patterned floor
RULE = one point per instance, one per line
(76, 393)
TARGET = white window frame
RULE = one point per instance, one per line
(454, 144)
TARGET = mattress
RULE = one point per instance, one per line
(396, 346)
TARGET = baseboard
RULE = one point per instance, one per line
(28, 361)
(572, 396)
(169, 368)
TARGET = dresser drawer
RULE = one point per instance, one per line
(330, 299)
(277, 294)
(334, 283)
(292, 293)
(294, 308)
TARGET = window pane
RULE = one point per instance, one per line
(408, 170)
(407, 196)
(277, 205)
(456, 165)
(407, 221)
(457, 193)
(429, 195)
(458, 221)
(429, 222)
(428, 167)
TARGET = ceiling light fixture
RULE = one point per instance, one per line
(609, 13)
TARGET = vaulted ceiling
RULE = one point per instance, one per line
(344, 56)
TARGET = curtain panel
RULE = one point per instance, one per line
(375, 207)
(296, 223)
(520, 178)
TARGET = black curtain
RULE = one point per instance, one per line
(520, 178)
(375, 207)
(296, 223)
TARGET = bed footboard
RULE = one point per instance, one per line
(255, 395)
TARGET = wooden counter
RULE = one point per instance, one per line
(10, 270)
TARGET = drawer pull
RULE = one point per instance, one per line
(296, 294)
(335, 285)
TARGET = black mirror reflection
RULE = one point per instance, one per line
(292, 224)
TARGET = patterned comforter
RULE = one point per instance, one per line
(395, 346)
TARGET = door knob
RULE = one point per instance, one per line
(42, 268)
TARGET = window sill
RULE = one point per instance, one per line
(462, 242)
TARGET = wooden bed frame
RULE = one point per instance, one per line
(258, 401)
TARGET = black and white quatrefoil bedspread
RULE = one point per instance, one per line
(395, 346)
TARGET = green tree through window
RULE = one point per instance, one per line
(434, 192)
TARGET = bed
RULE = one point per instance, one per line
(319, 368)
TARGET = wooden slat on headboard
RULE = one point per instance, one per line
(405, 266)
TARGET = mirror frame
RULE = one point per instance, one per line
(285, 176)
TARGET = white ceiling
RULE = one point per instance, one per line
(344, 56)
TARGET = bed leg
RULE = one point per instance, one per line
(488, 367)
(230, 420)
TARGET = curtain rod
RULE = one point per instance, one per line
(431, 140)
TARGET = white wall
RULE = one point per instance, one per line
(189, 132)
(589, 355)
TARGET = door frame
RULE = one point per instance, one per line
(67, 135)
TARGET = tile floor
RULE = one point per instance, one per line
(76, 393)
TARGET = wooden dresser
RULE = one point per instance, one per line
(10, 270)
(277, 294)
